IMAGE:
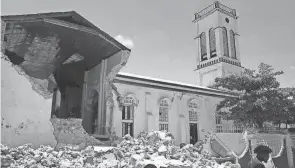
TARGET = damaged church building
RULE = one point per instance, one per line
(62, 65)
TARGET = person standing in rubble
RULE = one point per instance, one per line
(263, 158)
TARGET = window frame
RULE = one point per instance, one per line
(233, 44)
(212, 43)
(203, 46)
(218, 123)
(164, 107)
(193, 108)
(225, 42)
(128, 107)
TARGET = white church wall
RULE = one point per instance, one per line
(25, 114)
(209, 74)
(230, 69)
(234, 141)
(178, 112)
(206, 23)
(232, 25)
(185, 111)
(216, 20)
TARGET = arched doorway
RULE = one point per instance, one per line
(128, 115)
(193, 121)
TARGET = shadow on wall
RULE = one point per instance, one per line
(25, 114)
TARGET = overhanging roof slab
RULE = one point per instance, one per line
(41, 43)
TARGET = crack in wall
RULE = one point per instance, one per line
(110, 89)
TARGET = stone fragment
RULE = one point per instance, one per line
(71, 131)
(89, 160)
(156, 148)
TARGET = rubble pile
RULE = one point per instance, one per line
(67, 157)
(156, 148)
(71, 132)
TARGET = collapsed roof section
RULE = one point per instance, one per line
(39, 44)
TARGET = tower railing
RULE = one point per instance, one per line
(215, 5)
(227, 9)
(204, 11)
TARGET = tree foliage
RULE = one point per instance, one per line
(258, 98)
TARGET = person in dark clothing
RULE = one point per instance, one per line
(262, 155)
(150, 166)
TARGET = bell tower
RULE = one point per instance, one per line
(217, 43)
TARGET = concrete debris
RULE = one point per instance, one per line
(70, 131)
(156, 148)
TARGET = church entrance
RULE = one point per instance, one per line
(128, 116)
(193, 128)
(193, 121)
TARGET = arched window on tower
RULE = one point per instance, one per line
(203, 46)
(212, 40)
(233, 45)
(128, 115)
(193, 120)
(163, 114)
(225, 41)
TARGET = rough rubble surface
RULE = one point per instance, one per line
(155, 148)
(70, 131)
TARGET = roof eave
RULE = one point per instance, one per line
(206, 91)
(47, 17)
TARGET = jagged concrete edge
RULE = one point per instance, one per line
(53, 129)
(246, 141)
(3, 43)
(35, 86)
(110, 88)
(281, 150)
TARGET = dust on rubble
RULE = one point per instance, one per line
(156, 148)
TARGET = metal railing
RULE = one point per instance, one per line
(210, 8)
(227, 9)
(204, 11)
(219, 129)
(275, 130)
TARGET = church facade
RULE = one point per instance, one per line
(57, 54)
(187, 111)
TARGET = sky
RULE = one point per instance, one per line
(161, 32)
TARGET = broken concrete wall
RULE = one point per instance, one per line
(70, 132)
(25, 113)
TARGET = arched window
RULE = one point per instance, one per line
(233, 45)
(128, 115)
(193, 111)
(225, 41)
(163, 114)
(193, 120)
(212, 40)
(203, 46)
(218, 122)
